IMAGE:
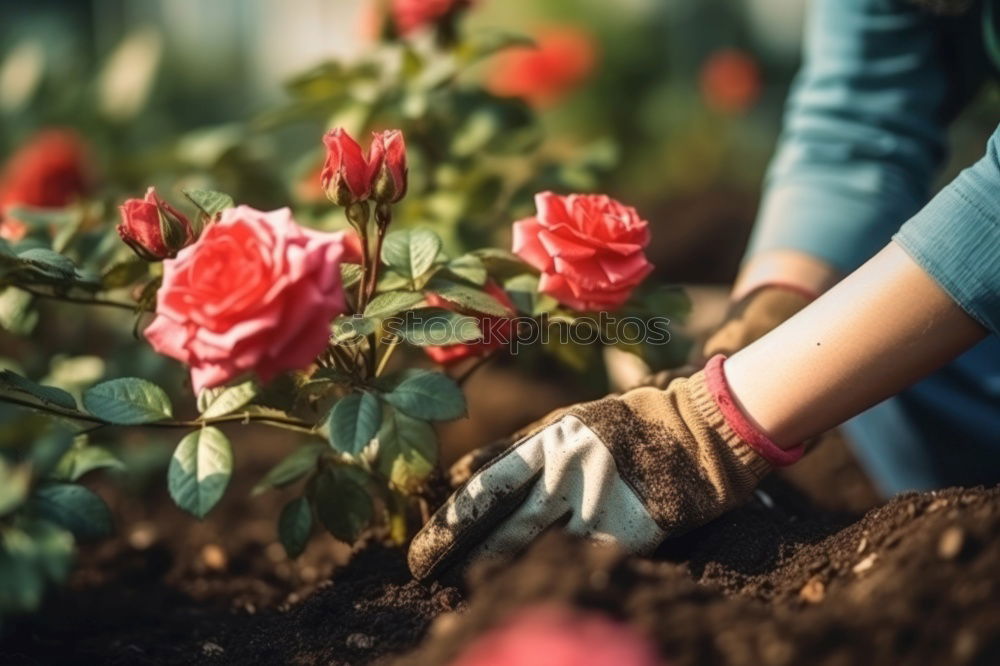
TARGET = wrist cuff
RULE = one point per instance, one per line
(718, 388)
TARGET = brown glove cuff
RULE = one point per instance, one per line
(719, 408)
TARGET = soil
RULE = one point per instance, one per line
(792, 578)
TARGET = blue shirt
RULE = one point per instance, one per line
(863, 138)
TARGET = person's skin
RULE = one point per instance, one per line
(797, 269)
(883, 327)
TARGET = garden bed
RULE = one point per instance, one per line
(788, 579)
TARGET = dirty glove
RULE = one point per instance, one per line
(753, 316)
(631, 470)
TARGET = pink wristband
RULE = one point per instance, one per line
(719, 389)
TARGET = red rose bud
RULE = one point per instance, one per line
(730, 81)
(560, 62)
(387, 166)
(154, 229)
(345, 176)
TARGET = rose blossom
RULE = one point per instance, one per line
(256, 293)
(588, 247)
(556, 636)
(543, 74)
(497, 331)
(410, 15)
(730, 81)
(49, 171)
(345, 175)
(387, 166)
(153, 228)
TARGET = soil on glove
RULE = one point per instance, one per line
(788, 579)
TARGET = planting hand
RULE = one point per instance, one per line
(632, 469)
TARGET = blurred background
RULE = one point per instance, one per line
(673, 107)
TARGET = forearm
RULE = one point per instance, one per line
(880, 329)
(793, 268)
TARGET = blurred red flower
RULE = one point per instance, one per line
(50, 170)
(497, 331)
(563, 58)
(730, 81)
(410, 15)
(554, 636)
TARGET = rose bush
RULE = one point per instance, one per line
(496, 331)
(588, 247)
(256, 293)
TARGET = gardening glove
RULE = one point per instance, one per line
(632, 470)
(754, 315)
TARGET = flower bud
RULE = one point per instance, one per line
(387, 166)
(345, 172)
(154, 229)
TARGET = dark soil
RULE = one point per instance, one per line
(789, 579)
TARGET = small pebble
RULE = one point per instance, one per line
(212, 649)
(813, 591)
(360, 641)
(937, 504)
(862, 544)
(865, 564)
(951, 542)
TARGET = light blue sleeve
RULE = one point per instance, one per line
(864, 132)
(956, 238)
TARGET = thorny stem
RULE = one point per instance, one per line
(83, 301)
(241, 417)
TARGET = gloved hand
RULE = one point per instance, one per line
(753, 316)
(633, 470)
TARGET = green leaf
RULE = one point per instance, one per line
(350, 274)
(349, 328)
(81, 460)
(389, 303)
(342, 502)
(31, 554)
(501, 263)
(407, 450)
(125, 273)
(389, 280)
(16, 314)
(523, 292)
(354, 420)
(411, 252)
(488, 42)
(200, 470)
(49, 395)
(468, 298)
(435, 327)
(469, 267)
(52, 264)
(128, 401)
(74, 507)
(430, 396)
(14, 483)
(210, 202)
(213, 402)
(293, 467)
(294, 526)
(48, 450)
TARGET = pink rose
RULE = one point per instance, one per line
(256, 293)
(555, 636)
(588, 247)
(345, 175)
(154, 229)
(387, 166)
(411, 15)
